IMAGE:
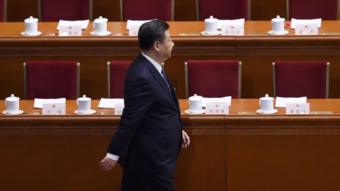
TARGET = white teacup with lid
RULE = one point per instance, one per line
(195, 104)
(266, 105)
(84, 105)
(278, 26)
(12, 105)
(31, 27)
(210, 26)
(100, 27)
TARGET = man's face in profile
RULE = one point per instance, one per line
(166, 46)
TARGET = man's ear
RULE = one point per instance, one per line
(156, 46)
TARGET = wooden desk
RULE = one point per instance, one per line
(238, 152)
(257, 50)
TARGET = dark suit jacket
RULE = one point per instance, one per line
(150, 132)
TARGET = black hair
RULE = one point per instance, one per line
(150, 32)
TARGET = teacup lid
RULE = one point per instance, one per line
(266, 97)
(195, 97)
(12, 98)
(100, 19)
(211, 19)
(31, 20)
(84, 98)
(278, 19)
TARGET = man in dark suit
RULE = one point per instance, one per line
(150, 134)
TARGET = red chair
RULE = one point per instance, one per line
(116, 71)
(301, 78)
(51, 79)
(213, 78)
(147, 9)
(55, 10)
(309, 9)
(223, 9)
(3, 10)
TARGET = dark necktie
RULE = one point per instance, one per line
(165, 79)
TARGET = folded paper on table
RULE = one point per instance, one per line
(220, 23)
(38, 102)
(226, 99)
(131, 23)
(282, 101)
(295, 22)
(64, 23)
(109, 102)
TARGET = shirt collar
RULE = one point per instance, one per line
(154, 63)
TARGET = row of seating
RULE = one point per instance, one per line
(52, 10)
(209, 78)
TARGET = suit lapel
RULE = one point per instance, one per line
(163, 84)
(160, 80)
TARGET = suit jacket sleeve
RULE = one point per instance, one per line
(138, 100)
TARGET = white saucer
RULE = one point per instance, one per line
(30, 34)
(204, 33)
(17, 113)
(194, 112)
(259, 111)
(278, 33)
(94, 33)
(92, 111)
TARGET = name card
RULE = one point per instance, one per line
(71, 30)
(232, 27)
(119, 107)
(216, 108)
(133, 30)
(232, 30)
(54, 109)
(297, 108)
(306, 29)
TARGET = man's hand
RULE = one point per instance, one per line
(186, 140)
(107, 164)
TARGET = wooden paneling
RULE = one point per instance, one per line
(108, 9)
(247, 152)
(267, 9)
(18, 10)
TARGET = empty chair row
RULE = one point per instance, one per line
(54, 79)
(52, 10)
(209, 78)
(217, 78)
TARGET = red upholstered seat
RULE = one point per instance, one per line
(213, 78)
(116, 71)
(223, 9)
(54, 10)
(301, 78)
(51, 79)
(3, 10)
(147, 9)
(308, 9)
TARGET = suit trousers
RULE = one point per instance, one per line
(141, 181)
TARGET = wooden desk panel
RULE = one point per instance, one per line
(242, 151)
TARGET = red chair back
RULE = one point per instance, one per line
(51, 79)
(147, 9)
(116, 78)
(3, 10)
(54, 10)
(223, 9)
(213, 78)
(309, 9)
(301, 78)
